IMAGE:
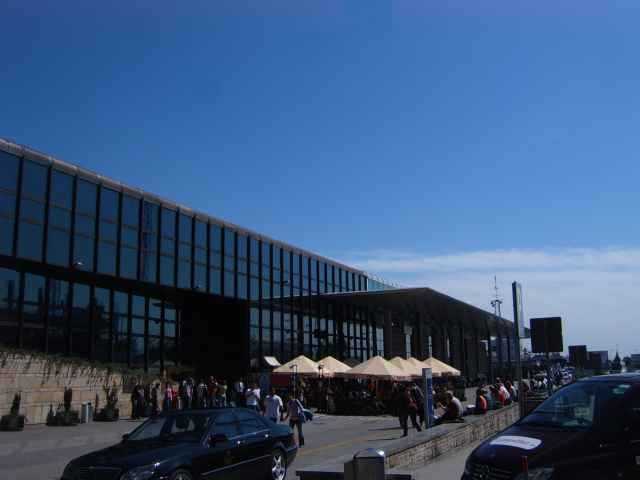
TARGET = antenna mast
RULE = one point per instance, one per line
(497, 301)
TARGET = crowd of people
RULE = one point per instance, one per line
(496, 395)
(191, 394)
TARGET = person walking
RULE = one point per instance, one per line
(418, 399)
(140, 403)
(155, 394)
(238, 391)
(134, 403)
(273, 406)
(168, 397)
(407, 408)
(295, 414)
(252, 397)
(222, 394)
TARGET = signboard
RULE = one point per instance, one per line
(546, 335)
(427, 382)
(518, 311)
(578, 356)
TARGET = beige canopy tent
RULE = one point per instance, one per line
(376, 368)
(330, 366)
(300, 365)
(420, 365)
(440, 367)
(406, 366)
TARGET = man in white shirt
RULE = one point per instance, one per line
(252, 397)
(273, 406)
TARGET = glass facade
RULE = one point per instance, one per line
(133, 249)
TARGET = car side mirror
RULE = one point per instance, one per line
(125, 437)
(216, 438)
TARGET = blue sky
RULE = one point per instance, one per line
(431, 142)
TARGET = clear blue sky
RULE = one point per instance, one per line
(346, 126)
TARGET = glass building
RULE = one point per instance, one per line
(90, 267)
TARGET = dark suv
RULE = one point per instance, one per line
(589, 429)
(229, 444)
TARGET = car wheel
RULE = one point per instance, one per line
(181, 474)
(278, 465)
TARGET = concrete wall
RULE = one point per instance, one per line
(477, 429)
(41, 382)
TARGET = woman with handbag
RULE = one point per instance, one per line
(295, 414)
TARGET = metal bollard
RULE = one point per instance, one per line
(369, 464)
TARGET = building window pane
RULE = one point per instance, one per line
(6, 236)
(9, 167)
(61, 189)
(34, 180)
(242, 286)
(184, 274)
(167, 276)
(107, 258)
(30, 241)
(86, 198)
(137, 351)
(109, 203)
(120, 321)
(130, 211)
(102, 332)
(58, 247)
(80, 320)
(229, 287)
(215, 238)
(9, 291)
(58, 314)
(215, 281)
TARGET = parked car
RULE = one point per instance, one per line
(229, 444)
(589, 429)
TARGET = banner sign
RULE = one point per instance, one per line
(427, 382)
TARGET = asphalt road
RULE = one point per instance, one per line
(41, 453)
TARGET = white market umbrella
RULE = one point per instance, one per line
(376, 368)
(438, 366)
(332, 366)
(406, 366)
(300, 365)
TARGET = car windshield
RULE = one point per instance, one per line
(575, 406)
(183, 427)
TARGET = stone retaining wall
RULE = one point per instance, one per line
(481, 428)
(41, 382)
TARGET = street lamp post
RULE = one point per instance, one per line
(294, 368)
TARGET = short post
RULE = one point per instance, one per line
(427, 382)
(368, 464)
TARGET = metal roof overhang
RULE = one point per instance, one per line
(429, 304)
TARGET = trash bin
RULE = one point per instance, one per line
(369, 464)
(84, 412)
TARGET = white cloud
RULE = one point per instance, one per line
(594, 290)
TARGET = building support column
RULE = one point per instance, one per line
(499, 353)
(388, 334)
(464, 354)
(476, 344)
(418, 337)
(489, 357)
